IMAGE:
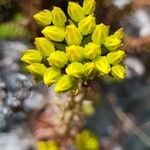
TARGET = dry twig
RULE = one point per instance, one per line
(128, 123)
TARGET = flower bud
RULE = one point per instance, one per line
(54, 33)
(43, 17)
(112, 43)
(74, 53)
(45, 46)
(73, 35)
(102, 65)
(100, 33)
(92, 50)
(50, 144)
(89, 6)
(119, 33)
(65, 83)
(58, 59)
(75, 11)
(91, 142)
(89, 70)
(87, 25)
(51, 75)
(58, 17)
(31, 56)
(75, 69)
(115, 57)
(118, 71)
(36, 69)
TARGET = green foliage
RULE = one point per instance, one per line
(11, 30)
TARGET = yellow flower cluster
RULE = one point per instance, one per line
(89, 49)
(86, 140)
(47, 145)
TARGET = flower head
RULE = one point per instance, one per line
(82, 57)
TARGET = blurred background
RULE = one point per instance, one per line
(119, 111)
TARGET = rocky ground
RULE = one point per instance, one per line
(19, 98)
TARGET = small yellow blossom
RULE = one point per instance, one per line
(119, 33)
(113, 43)
(115, 57)
(74, 53)
(36, 69)
(51, 75)
(43, 17)
(64, 84)
(89, 70)
(87, 25)
(31, 56)
(75, 11)
(54, 33)
(118, 71)
(44, 46)
(58, 17)
(86, 140)
(92, 50)
(102, 65)
(75, 69)
(73, 35)
(100, 34)
(58, 59)
(89, 6)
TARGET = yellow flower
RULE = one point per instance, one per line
(118, 71)
(58, 17)
(45, 46)
(64, 84)
(54, 33)
(73, 35)
(89, 6)
(36, 69)
(119, 33)
(100, 33)
(75, 11)
(86, 140)
(89, 70)
(74, 53)
(47, 145)
(58, 59)
(75, 69)
(87, 25)
(31, 56)
(102, 65)
(115, 57)
(51, 75)
(92, 50)
(112, 43)
(71, 48)
(43, 17)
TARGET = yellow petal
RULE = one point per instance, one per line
(74, 53)
(36, 69)
(102, 64)
(100, 33)
(51, 75)
(43, 17)
(64, 84)
(58, 59)
(59, 17)
(44, 46)
(31, 56)
(75, 11)
(73, 35)
(54, 33)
